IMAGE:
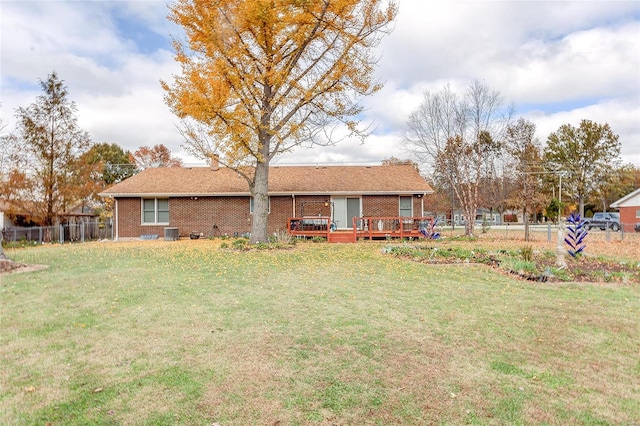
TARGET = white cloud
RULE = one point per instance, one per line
(559, 61)
(589, 64)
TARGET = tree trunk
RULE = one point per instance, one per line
(469, 203)
(2, 255)
(469, 220)
(260, 204)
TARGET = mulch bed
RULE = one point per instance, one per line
(590, 269)
(8, 266)
(581, 269)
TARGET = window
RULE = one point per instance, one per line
(155, 210)
(251, 205)
(406, 206)
(637, 214)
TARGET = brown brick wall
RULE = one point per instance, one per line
(231, 214)
(628, 218)
(313, 205)
(382, 205)
(387, 205)
(281, 211)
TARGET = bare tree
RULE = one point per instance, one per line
(460, 139)
(524, 165)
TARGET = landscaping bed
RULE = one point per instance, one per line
(525, 262)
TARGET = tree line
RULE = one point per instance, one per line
(475, 152)
(50, 167)
(478, 154)
(259, 79)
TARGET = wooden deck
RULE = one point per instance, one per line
(372, 228)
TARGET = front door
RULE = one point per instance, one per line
(344, 210)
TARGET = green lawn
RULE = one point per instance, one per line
(163, 333)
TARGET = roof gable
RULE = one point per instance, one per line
(630, 200)
(178, 181)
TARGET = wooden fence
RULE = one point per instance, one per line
(78, 231)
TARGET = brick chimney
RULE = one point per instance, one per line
(214, 161)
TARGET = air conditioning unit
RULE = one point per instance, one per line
(171, 234)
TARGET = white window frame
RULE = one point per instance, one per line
(156, 211)
(638, 214)
(400, 205)
(251, 205)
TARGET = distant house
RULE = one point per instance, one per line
(483, 216)
(12, 216)
(17, 224)
(629, 207)
(5, 221)
(214, 201)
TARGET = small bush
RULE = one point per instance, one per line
(522, 266)
(22, 243)
(240, 243)
(526, 253)
(282, 237)
(561, 274)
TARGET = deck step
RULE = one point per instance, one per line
(342, 237)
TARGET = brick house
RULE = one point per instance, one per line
(216, 201)
(629, 207)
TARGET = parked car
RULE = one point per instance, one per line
(603, 220)
(637, 228)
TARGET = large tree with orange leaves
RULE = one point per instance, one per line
(158, 156)
(260, 77)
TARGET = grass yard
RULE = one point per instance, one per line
(164, 333)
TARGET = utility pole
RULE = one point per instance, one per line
(525, 217)
(560, 198)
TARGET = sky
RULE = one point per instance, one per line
(558, 62)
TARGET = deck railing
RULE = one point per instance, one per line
(310, 226)
(392, 227)
(371, 227)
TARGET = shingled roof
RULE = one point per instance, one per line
(283, 180)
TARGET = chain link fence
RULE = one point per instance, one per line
(537, 232)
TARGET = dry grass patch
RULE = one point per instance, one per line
(185, 333)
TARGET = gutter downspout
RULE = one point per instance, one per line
(115, 217)
(293, 197)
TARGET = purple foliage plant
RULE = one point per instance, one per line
(429, 231)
